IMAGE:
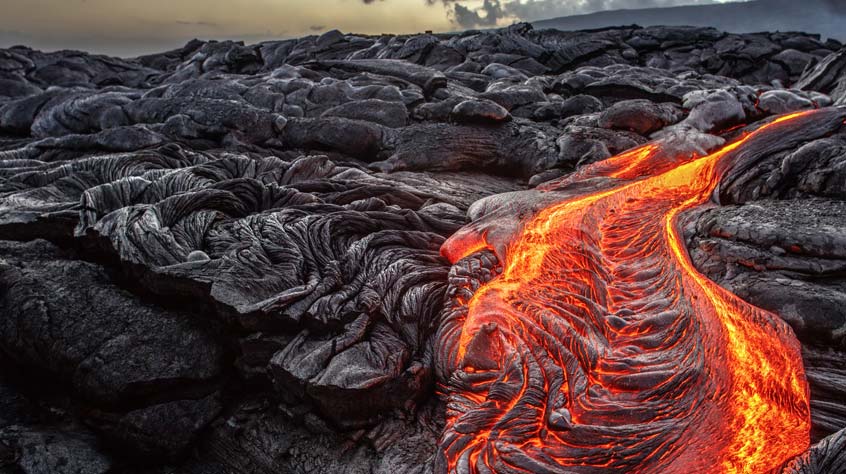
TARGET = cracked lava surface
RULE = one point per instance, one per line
(599, 347)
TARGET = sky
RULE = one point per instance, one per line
(133, 27)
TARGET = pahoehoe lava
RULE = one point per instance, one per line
(600, 347)
(506, 251)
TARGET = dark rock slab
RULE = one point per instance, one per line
(52, 452)
(389, 114)
(827, 77)
(829, 455)
(427, 79)
(470, 111)
(120, 354)
(514, 149)
(639, 116)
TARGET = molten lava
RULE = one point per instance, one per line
(599, 347)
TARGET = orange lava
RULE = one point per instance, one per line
(600, 348)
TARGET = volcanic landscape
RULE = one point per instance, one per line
(505, 251)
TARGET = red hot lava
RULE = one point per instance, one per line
(599, 347)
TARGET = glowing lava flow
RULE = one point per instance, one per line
(599, 347)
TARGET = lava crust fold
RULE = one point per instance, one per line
(598, 346)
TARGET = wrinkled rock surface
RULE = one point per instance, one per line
(225, 258)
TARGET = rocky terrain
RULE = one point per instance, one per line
(226, 258)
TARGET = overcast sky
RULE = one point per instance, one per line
(131, 27)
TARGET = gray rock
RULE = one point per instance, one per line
(779, 102)
(501, 71)
(639, 116)
(389, 114)
(824, 457)
(583, 145)
(795, 61)
(54, 452)
(713, 110)
(119, 352)
(827, 77)
(576, 105)
(469, 111)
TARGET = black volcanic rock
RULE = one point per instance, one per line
(126, 358)
(828, 76)
(54, 452)
(639, 116)
(581, 145)
(824, 457)
(479, 111)
(243, 271)
(389, 114)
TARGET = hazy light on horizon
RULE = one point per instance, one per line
(127, 27)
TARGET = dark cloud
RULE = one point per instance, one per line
(487, 15)
(317, 27)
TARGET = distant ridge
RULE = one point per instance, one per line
(824, 17)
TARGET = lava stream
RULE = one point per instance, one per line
(599, 347)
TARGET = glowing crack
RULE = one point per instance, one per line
(599, 347)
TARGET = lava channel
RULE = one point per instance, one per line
(599, 348)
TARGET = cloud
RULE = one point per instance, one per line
(488, 14)
(497, 12)
(317, 27)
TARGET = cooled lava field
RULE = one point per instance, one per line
(506, 251)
